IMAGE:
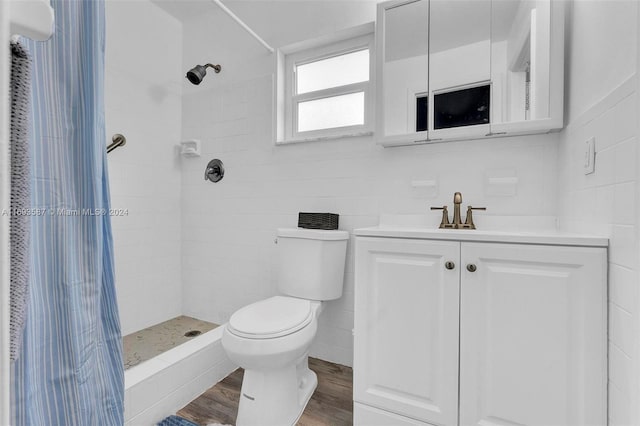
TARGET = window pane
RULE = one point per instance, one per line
(327, 113)
(337, 71)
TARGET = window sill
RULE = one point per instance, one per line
(325, 138)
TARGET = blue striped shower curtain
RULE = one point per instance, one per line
(70, 369)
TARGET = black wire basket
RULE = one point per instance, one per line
(327, 221)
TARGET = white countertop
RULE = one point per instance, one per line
(534, 231)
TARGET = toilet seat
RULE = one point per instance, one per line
(270, 318)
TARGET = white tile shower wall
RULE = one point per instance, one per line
(603, 103)
(229, 227)
(143, 101)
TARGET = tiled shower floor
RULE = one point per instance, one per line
(145, 344)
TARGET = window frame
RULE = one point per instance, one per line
(313, 53)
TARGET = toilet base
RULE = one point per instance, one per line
(276, 397)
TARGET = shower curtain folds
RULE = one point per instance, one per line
(70, 370)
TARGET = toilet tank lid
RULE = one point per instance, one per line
(313, 234)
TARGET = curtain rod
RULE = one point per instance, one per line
(243, 25)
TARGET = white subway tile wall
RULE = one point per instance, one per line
(605, 203)
(143, 91)
(602, 103)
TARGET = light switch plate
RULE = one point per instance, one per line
(590, 156)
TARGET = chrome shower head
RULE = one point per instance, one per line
(197, 73)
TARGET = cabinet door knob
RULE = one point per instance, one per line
(449, 265)
(471, 267)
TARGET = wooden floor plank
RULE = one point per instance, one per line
(331, 403)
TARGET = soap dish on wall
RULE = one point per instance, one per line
(190, 148)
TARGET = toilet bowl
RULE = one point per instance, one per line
(270, 338)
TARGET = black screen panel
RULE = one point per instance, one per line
(422, 113)
(465, 107)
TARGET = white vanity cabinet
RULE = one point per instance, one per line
(479, 333)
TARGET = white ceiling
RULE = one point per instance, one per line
(281, 22)
(185, 10)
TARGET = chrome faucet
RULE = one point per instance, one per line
(457, 220)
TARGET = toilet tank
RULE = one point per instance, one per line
(311, 263)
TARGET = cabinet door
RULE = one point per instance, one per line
(532, 335)
(402, 57)
(459, 69)
(406, 328)
(527, 66)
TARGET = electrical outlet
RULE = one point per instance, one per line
(590, 156)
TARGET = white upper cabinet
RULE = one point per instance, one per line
(468, 69)
(402, 47)
(527, 66)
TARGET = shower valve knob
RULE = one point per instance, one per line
(214, 171)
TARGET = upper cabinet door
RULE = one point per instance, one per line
(459, 68)
(527, 71)
(402, 43)
(533, 335)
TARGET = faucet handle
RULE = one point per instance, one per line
(444, 223)
(468, 222)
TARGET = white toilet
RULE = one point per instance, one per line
(270, 339)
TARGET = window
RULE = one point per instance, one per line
(327, 90)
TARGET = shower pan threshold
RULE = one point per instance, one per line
(152, 341)
(160, 386)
